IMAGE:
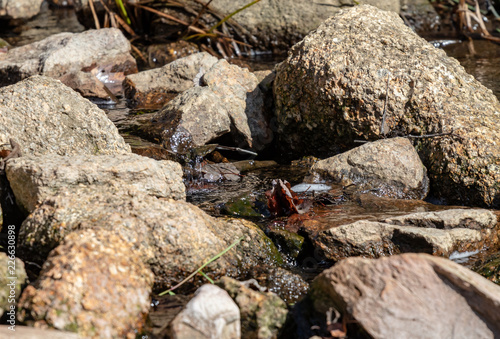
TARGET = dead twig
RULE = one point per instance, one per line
(94, 14)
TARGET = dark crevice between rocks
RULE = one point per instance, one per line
(411, 243)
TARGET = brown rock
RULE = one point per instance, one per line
(86, 84)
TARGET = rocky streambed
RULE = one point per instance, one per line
(405, 176)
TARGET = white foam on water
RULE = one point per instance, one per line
(310, 188)
(459, 257)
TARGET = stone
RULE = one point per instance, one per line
(86, 84)
(220, 172)
(410, 295)
(238, 90)
(364, 75)
(94, 284)
(262, 313)
(389, 168)
(489, 268)
(194, 118)
(25, 332)
(10, 295)
(34, 178)
(420, 15)
(438, 233)
(210, 314)
(44, 116)
(65, 53)
(19, 9)
(174, 238)
(154, 88)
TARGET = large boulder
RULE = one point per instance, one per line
(174, 237)
(19, 9)
(389, 167)
(34, 178)
(408, 296)
(44, 116)
(364, 75)
(65, 53)
(94, 284)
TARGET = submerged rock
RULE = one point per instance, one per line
(438, 233)
(490, 268)
(93, 284)
(175, 238)
(409, 295)
(262, 313)
(364, 75)
(389, 167)
(154, 88)
(19, 9)
(210, 314)
(65, 53)
(9, 294)
(44, 116)
(35, 178)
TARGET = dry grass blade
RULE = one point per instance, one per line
(124, 25)
(135, 49)
(94, 14)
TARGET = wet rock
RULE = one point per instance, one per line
(289, 242)
(407, 295)
(93, 284)
(420, 15)
(210, 314)
(68, 53)
(239, 93)
(262, 313)
(241, 206)
(11, 280)
(155, 87)
(44, 116)
(162, 54)
(289, 286)
(438, 233)
(490, 268)
(389, 167)
(175, 238)
(19, 9)
(86, 84)
(219, 172)
(364, 75)
(25, 332)
(35, 178)
(192, 119)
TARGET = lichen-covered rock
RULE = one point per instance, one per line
(210, 314)
(34, 178)
(262, 313)
(68, 53)
(19, 9)
(364, 75)
(438, 233)
(44, 116)
(389, 167)
(175, 238)
(94, 284)
(154, 88)
(409, 295)
(11, 280)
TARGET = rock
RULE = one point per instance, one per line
(161, 54)
(420, 15)
(438, 233)
(289, 242)
(262, 313)
(86, 84)
(410, 295)
(239, 93)
(65, 53)
(290, 287)
(175, 238)
(337, 84)
(490, 268)
(44, 116)
(25, 332)
(220, 172)
(19, 9)
(35, 178)
(389, 167)
(154, 88)
(93, 284)
(194, 118)
(10, 288)
(210, 314)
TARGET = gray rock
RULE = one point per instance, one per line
(239, 92)
(420, 15)
(262, 313)
(93, 284)
(35, 178)
(363, 67)
(86, 84)
(410, 295)
(438, 233)
(25, 332)
(155, 87)
(389, 167)
(11, 280)
(220, 172)
(175, 238)
(19, 9)
(211, 314)
(68, 53)
(192, 119)
(44, 116)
